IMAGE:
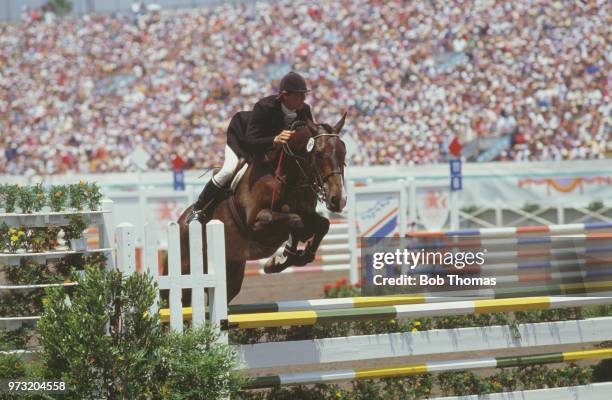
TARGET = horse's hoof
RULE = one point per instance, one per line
(276, 264)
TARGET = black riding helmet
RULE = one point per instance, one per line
(293, 82)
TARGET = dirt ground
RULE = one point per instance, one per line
(276, 287)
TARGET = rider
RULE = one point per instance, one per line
(255, 132)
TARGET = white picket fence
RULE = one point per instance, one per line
(206, 289)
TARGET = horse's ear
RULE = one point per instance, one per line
(340, 123)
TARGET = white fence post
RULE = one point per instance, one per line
(403, 209)
(196, 263)
(352, 232)
(215, 249)
(174, 277)
(126, 249)
(560, 213)
(150, 258)
(454, 206)
(499, 217)
(412, 204)
(106, 230)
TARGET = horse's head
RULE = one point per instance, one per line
(328, 155)
(319, 153)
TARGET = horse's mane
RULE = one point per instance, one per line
(299, 139)
(327, 127)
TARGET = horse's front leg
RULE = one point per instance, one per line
(316, 227)
(266, 218)
(320, 227)
(279, 263)
(291, 255)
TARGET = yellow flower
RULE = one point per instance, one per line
(21, 233)
(14, 238)
(12, 230)
(45, 300)
(338, 394)
(416, 323)
(415, 330)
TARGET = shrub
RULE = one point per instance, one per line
(103, 342)
(198, 366)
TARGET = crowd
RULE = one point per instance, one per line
(81, 94)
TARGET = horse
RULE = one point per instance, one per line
(269, 204)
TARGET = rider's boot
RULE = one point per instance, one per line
(207, 201)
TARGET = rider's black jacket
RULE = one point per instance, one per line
(253, 132)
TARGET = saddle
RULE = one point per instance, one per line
(237, 213)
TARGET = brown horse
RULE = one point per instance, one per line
(266, 207)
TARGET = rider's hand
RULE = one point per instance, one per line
(282, 137)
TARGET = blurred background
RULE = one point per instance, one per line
(89, 86)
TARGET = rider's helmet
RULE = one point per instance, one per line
(293, 82)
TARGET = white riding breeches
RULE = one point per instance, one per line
(230, 163)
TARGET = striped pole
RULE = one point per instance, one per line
(292, 318)
(363, 302)
(512, 242)
(416, 369)
(568, 229)
(331, 304)
(351, 303)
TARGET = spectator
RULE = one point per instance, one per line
(81, 93)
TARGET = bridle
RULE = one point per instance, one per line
(310, 174)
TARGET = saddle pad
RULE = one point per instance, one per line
(238, 176)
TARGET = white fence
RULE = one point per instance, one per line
(206, 289)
